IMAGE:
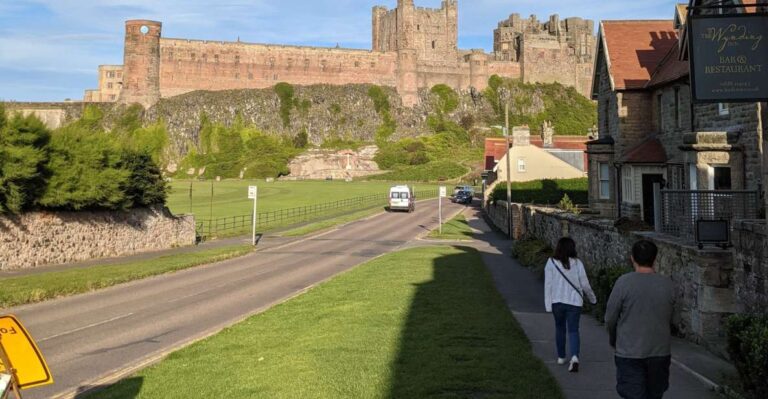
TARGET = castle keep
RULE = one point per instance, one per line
(412, 48)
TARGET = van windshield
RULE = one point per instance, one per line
(397, 195)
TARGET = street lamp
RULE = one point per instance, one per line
(504, 95)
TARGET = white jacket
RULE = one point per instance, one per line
(557, 289)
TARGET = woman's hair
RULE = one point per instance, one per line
(565, 250)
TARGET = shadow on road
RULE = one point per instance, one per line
(460, 340)
(128, 388)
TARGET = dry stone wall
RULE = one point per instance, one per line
(45, 238)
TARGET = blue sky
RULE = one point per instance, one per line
(50, 49)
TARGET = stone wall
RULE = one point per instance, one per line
(53, 115)
(750, 272)
(705, 280)
(45, 238)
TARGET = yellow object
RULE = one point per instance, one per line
(23, 354)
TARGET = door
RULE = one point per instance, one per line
(648, 208)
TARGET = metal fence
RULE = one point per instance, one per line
(233, 225)
(681, 209)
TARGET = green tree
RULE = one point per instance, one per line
(146, 185)
(23, 157)
(301, 140)
(446, 99)
(3, 118)
(152, 140)
(129, 120)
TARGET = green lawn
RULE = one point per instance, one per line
(455, 229)
(40, 287)
(230, 197)
(425, 322)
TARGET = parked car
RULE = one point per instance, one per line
(462, 197)
(402, 198)
(463, 188)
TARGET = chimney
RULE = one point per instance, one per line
(521, 136)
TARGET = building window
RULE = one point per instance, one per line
(693, 176)
(521, 165)
(112, 97)
(678, 114)
(627, 188)
(723, 109)
(119, 75)
(110, 74)
(418, 27)
(109, 85)
(434, 44)
(604, 175)
(660, 111)
(357, 64)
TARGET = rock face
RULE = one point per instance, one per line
(324, 164)
(44, 238)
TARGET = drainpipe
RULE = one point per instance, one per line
(618, 189)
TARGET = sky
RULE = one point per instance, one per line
(50, 49)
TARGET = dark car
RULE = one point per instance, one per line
(462, 197)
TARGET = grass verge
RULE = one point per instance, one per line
(425, 322)
(39, 287)
(329, 223)
(455, 229)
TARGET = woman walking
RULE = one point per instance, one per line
(565, 285)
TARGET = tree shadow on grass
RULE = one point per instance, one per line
(128, 388)
(460, 340)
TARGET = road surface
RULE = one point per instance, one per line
(96, 338)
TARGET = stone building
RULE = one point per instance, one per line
(412, 48)
(651, 132)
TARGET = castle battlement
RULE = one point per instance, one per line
(412, 48)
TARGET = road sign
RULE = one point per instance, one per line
(22, 354)
(443, 192)
(5, 383)
(252, 192)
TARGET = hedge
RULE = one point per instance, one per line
(533, 254)
(544, 192)
(748, 347)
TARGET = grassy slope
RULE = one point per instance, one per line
(425, 322)
(231, 196)
(40, 287)
(455, 229)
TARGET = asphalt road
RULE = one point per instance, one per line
(97, 338)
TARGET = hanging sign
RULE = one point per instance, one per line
(729, 57)
(22, 353)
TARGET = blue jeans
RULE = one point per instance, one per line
(566, 317)
(642, 378)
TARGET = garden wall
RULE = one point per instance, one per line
(705, 289)
(44, 238)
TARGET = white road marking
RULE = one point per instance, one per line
(85, 327)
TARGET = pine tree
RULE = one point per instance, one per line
(23, 158)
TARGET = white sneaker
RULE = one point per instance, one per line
(573, 367)
(560, 360)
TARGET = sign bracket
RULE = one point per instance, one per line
(11, 371)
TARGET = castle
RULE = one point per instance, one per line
(413, 48)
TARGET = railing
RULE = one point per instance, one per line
(681, 209)
(266, 221)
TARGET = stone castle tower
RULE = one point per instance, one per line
(141, 68)
(413, 49)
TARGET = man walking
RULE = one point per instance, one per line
(638, 317)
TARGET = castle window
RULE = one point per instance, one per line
(119, 75)
(323, 65)
(418, 27)
(272, 63)
(112, 97)
(109, 85)
(250, 76)
(237, 59)
(205, 57)
(110, 74)
(357, 64)
(274, 77)
(193, 56)
(373, 65)
(216, 57)
(237, 76)
(434, 44)
(144, 29)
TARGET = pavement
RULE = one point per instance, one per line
(693, 370)
(94, 339)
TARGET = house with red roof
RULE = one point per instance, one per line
(649, 129)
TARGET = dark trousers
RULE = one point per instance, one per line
(642, 378)
(566, 318)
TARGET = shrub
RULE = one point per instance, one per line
(24, 155)
(146, 185)
(532, 253)
(285, 92)
(379, 98)
(545, 192)
(338, 143)
(447, 100)
(301, 140)
(748, 348)
(567, 205)
(429, 172)
(602, 282)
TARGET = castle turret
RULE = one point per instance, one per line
(141, 74)
(478, 69)
(379, 13)
(407, 55)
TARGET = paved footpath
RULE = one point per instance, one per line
(523, 292)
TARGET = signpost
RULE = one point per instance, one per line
(729, 57)
(443, 194)
(253, 193)
(22, 365)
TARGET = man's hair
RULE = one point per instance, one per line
(644, 253)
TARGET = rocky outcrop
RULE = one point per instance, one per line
(325, 164)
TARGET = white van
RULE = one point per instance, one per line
(402, 198)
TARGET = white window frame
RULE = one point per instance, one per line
(627, 184)
(521, 167)
(604, 176)
(723, 109)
